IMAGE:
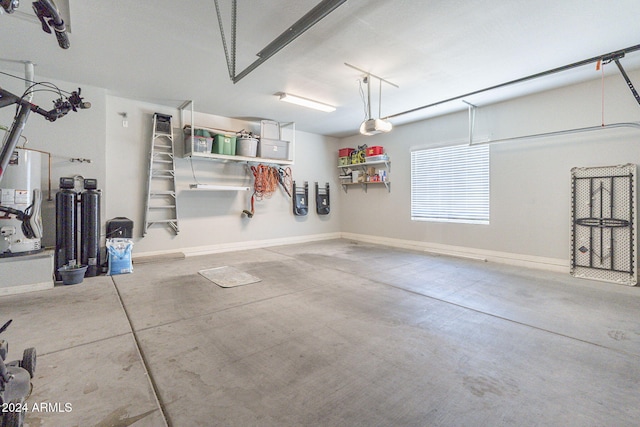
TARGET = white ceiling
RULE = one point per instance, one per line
(167, 51)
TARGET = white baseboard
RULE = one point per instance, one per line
(529, 261)
(239, 246)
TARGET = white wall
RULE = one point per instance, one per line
(530, 180)
(210, 220)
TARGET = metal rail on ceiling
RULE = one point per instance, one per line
(607, 57)
(311, 18)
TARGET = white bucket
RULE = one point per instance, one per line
(247, 147)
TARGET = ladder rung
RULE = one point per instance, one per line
(162, 161)
(162, 193)
(162, 146)
(163, 207)
(163, 221)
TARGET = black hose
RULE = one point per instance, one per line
(27, 230)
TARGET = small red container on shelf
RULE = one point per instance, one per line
(375, 150)
(344, 152)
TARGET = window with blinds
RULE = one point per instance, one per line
(450, 184)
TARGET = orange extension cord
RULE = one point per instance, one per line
(266, 180)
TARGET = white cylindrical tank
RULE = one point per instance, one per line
(23, 174)
(20, 182)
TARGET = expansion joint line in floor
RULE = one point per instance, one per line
(83, 344)
(232, 307)
(496, 316)
(145, 366)
(490, 314)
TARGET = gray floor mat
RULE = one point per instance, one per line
(228, 277)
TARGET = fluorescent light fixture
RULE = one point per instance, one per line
(375, 126)
(286, 97)
(216, 187)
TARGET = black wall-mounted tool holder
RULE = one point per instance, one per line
(300, 199)
(323, 205)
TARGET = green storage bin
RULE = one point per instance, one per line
(224, 144)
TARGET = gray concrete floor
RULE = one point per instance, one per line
(337, 333)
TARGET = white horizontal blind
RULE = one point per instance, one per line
(450, 184)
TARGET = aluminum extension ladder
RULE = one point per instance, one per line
(161, 205)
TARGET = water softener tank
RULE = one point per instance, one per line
(65, 225)
(90, 227)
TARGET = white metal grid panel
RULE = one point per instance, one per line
(604, 245)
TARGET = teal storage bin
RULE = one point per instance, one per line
(224, 144)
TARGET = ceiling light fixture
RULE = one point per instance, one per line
(371, 126)
(298, 100)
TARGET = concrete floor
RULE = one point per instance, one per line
(337, 333)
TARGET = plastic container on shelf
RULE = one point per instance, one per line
(381, 157)
(273, 149)
(344, 152)
(247, 147)
(224, 144)
(375, 150)
(200, 144)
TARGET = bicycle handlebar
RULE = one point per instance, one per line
(61, 107)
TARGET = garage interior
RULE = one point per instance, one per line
(366, 313)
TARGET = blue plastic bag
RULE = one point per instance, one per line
(119, 254)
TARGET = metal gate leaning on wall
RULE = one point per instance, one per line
(603, 235)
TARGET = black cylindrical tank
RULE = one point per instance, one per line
(66, 200)
(90, 227)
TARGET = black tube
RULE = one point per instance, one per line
(612, 254)
(591, 228)
(632, 255)
(574, 224)
(65, 229)
(90, 231)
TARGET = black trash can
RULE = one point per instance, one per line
(119, 227)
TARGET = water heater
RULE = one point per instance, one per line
(21, 227)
